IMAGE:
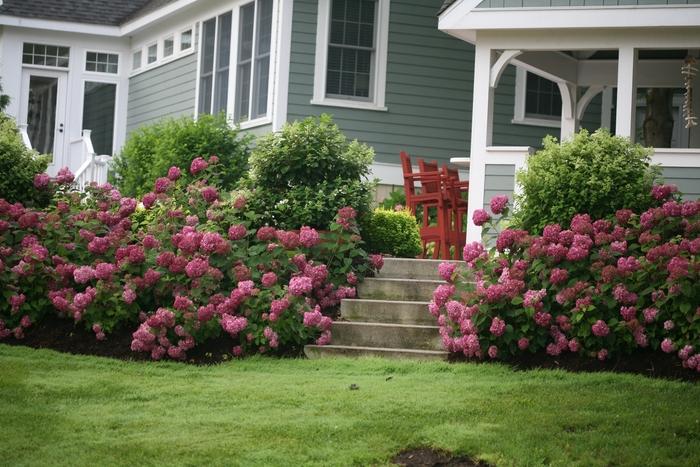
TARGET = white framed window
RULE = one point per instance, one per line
(136, 59)
(234, 63)
(253, 61)
(537, 100)
(151, 53)
(168, 46)
(101, 62)
(351, 53)
(45, 55)
(186, 39)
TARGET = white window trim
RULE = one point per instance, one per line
(377, 99)
(103, 51)
(519, 117)
(176, 34)
(267, 119)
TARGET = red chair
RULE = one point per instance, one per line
(438, 234)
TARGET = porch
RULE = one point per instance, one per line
(618, 64)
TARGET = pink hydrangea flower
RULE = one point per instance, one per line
(128, 295)
(472, 252)
(162, 184)
(669, 325)
(558, 276)
(446, 270)
(198, 165)
(498, 203)
(174, 173)
(650, 314)
(602, 354)
(210, 194)
(480, 217)
(493, 351)
(83, 274)
(197, 268)
(600, 328)
(308, 237)
(498, 326)
(377, 261)
(300, 285)
(668, 346)
(236, 232)
(523, 343)
(41, 181)
(233, 324)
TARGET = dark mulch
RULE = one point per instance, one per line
(426, 457)
(643, 362)
(65, 336)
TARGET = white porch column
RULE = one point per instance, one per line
(569, 118)
(482, 131)
(626, 92)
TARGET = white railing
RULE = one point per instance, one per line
(94, 167)
(24, 135)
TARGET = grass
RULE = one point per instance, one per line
(60, 409)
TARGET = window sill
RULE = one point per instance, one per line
(537, 122)
(349, 104)
(255, 123)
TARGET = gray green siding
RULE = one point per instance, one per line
(500, 180)
(166, 91)
(686, 178)
(428, 92)
(577, 3)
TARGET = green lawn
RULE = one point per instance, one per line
(59, 409)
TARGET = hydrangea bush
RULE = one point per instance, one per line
(597, 288)
(179, 266)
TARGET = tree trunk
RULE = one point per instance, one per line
(658, 122)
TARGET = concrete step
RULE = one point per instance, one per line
(320, 351)
(397, 289)
(396, 336)
(407, 268)
(386, 311)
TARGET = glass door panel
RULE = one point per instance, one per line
(98, 114)
(41, 112)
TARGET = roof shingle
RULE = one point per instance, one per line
(103, 12)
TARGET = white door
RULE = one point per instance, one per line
(43, 110)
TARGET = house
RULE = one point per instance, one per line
(383, 68)
(591, 49)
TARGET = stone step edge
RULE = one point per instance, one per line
(408, 280)
(384, 302)
(423, 260)
(379, 349)
(387, 325)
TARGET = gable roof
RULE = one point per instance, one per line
(102, 12)
(446, 4)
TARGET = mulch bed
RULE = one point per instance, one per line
(64, 336)
(425, 457)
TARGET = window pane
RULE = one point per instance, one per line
(205, 84)
(264, 27)
(245, 53)
(262, 77)
(103, 62)
(351, 48)
(223, 55)
(98, 114)
(242, 93)
(136, 60)
(245, 50)
(542, 98)
(41, 112)
(208, 41)
(152, 53)
(168, 47)
(186, 40)
(46, 55)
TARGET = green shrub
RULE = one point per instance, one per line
(304, 173)
(18, 166)
(395, 198)
(152, 149)
(593, 173)
(392, 232)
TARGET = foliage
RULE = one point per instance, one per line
(19, 166)
(397, 198)
(594, 173)
(392, 232)
(152, 149)
(307, 171)
(183, 269)
(602, 287)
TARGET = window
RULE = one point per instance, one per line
(152, 54)
(186, 40)
(168, 46)
(136, 60)
(537, 100)
(351, 50)
(99, 103)
(102, 62)
(214, 72)
(253, 66)
(45, 55)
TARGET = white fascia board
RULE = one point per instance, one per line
(63, 26)
(144, 21)
(571, 17)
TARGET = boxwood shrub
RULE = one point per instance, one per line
(392, 232)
